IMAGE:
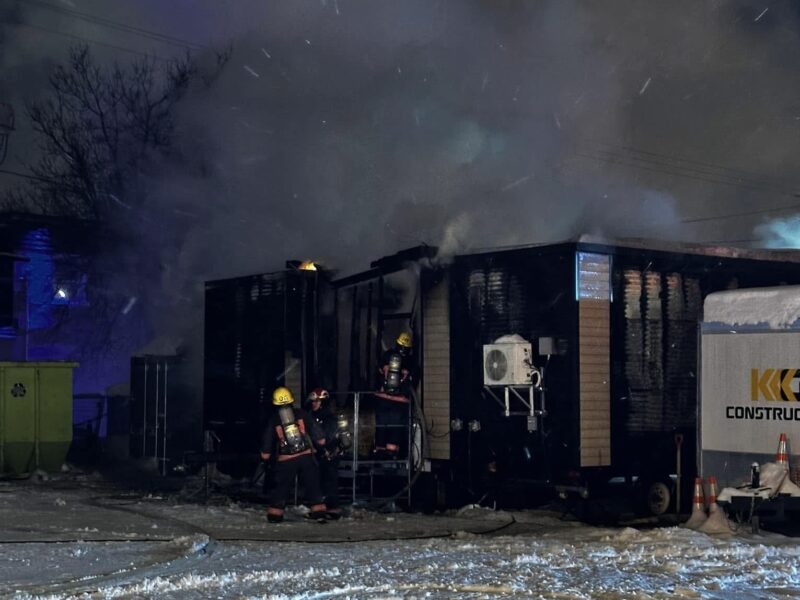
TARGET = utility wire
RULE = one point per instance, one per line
(700, 171)
(717, 176)
(725, 171)
(682, 173)
(689, 173)
(116, 25)
(91, 41)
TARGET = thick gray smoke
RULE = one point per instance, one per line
(346, 130)
(343, 130)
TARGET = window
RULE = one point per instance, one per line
(593, 276)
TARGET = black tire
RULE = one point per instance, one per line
(657, 496)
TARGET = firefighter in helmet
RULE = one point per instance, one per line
(289, 439)
(338, 440)
(395, 390)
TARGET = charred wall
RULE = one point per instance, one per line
(654, 313)
(262, 331)
(657, 307)
(531, 293)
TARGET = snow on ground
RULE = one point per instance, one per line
(481, 554)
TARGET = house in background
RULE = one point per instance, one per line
(49, 313)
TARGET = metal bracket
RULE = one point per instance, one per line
(505, 403)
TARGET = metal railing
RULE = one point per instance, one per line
(372, 466)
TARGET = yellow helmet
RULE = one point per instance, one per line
(404, 340)
(282, 396)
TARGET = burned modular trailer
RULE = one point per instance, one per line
(261, 331)
(596, 379)
(372, 309)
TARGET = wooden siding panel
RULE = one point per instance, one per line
(436, 370)
(594, 331)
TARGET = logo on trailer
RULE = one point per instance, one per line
(18, 390)
(773, 384)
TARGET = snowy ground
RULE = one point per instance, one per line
(71, 541)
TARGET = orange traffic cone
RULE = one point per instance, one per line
(698, 516)
(712, 495)
(781, 456)
(717, 522)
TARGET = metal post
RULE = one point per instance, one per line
(144, 416)
(678, 484)
(303, 334)
(543, 416)
(508, 402)
(155, 415)
(410, 460)
(164, 428)
(27, 318)
(356, 401)
(542, 389)
(678, 445)
(207, 447)
(36, 411)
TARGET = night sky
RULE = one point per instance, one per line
(345, 130)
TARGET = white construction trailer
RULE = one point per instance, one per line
(749, 381)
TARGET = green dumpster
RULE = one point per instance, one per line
(35, 415)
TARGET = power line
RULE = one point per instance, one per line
(719, 177)
(686, 172)
(91, 41)
(726, 171)
(116, 25)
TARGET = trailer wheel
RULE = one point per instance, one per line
(657, 497)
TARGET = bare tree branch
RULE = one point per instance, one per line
(98, 132)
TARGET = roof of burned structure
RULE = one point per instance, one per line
(596, 243)
(400, 260)
(587, 243)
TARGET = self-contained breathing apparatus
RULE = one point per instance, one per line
(343, 434)
(293, 439)
(392, 379)
(393, 374)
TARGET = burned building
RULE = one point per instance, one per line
(610, 386)
(594, 378)
(261, 332)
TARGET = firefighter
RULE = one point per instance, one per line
(395, 389)
(288, 440)
(338, 439)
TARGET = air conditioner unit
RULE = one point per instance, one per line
(507, 363)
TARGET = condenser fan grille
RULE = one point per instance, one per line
(496, 365)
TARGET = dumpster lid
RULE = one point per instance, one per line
(40, 364)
